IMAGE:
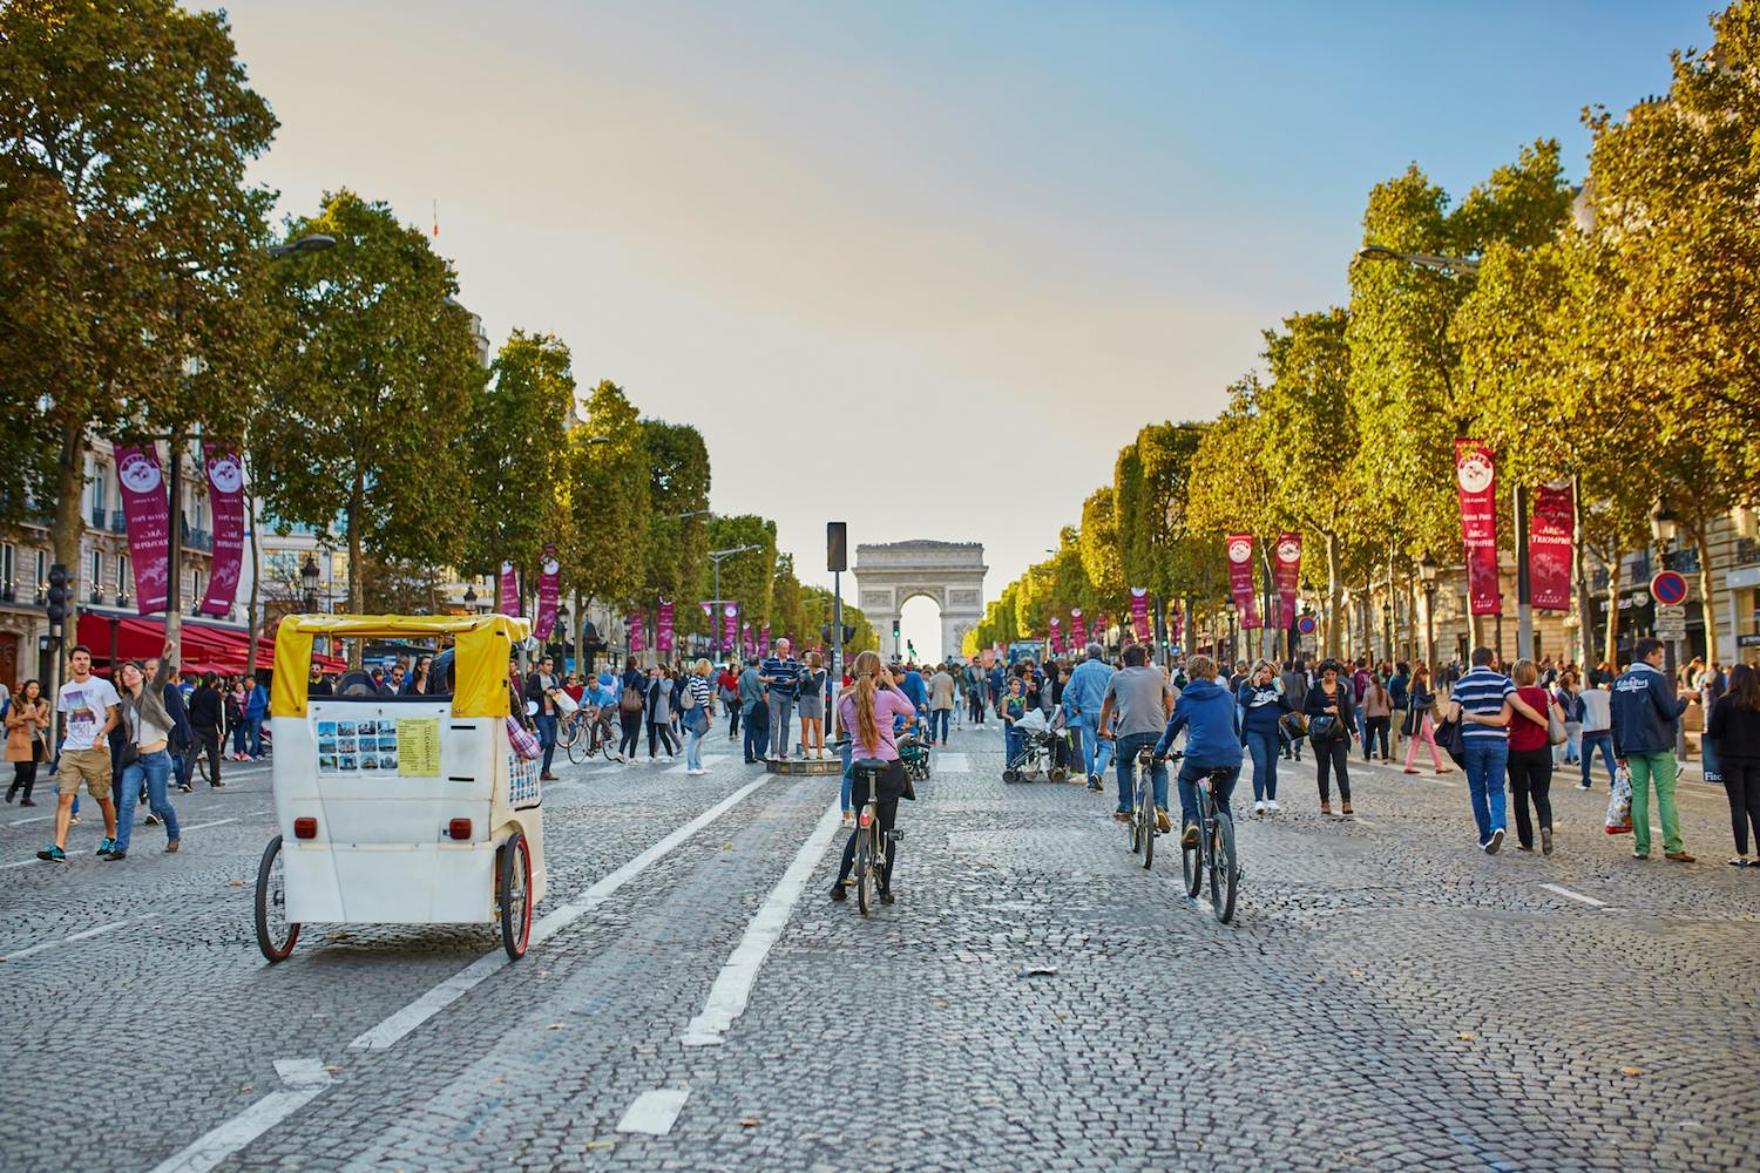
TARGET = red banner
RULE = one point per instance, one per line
(1289, 578)
(1056, 636)
(745, 639)
(226, 498)
(1475, 474)
(638, 634)
(1078, 628)
(663, 627)
(149, 529)
(1550, 533)
(1240, 579)
(1140, 612)
(549, 594)
(730, 613)
(764, 640)
(509, 590)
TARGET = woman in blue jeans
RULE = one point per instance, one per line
(1262, 705)
(147, 727)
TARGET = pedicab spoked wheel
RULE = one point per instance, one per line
(275, 934)
(515, 888)
(1224, 876)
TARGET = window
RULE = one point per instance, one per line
(8, 586)
(97, 576)
(195, 592)
(42, 574)
(100, 495)
(124, 584)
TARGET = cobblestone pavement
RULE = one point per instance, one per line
(1389, 997)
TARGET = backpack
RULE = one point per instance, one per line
(688, 701)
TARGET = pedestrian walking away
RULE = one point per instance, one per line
(1480, 703)
(1423, 706)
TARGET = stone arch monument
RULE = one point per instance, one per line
(951, 573)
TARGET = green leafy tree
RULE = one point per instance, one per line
(747, 578)
(373, 388)
(678, 533)
(609, 501)
(130, 264)
(1099, 543)
(787, 614)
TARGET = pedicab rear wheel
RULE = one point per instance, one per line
(275, 934)
(514, 889)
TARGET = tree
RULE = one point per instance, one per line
(1100, 550)
(608, 502)
(516, 458)
(787, 613)
(678, 545)
(373, 389)
(747, 578)
(131, 241)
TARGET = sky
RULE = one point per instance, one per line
(921, 267)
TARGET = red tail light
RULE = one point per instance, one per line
(305, 828)
(459, 828)
(866, 819)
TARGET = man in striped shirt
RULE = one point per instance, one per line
(1480, 702)
(782, 673)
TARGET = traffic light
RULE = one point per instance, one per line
(836, 545)
(58, 593)
(895, 633)
(849, 633)
(825, 633)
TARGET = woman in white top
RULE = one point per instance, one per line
(147, 727)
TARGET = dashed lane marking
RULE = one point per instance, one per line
(733, 985)
(214, 823)
(952, 763)
(304, 1079)
(1578, 896)
(654, 1112)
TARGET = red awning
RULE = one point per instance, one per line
(205, 647)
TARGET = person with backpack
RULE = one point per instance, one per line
(698, 716)
(631, 703)
(751, 699)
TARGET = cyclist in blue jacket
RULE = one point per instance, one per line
(1206, 711)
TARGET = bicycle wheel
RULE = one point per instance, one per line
(1134, 826)
(1224, 875)
(578, 742)
(1192, 855)
(275, 933)
(1146, 813)
(864, 869)
(607, 744)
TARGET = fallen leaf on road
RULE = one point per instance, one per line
(236, 883)
(749, 1122)
(556, 1026)
(939, 1003)
(1466, 1036)
(332, 1067)
(248, 1088)
(601, 1144)
(1631, 1071)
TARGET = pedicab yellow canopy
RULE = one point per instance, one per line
(482, 644)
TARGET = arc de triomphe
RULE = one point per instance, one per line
(951, 573)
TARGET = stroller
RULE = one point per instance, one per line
(1044, 749)
(915, 757)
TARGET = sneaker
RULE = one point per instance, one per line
(105, 847)
(849, 818)
(116, 857)
(886, 895)
(73, 820)
(1495, 842)
(838, 893)
(152, 820)
(1271, 805)
(216, 786)
(1582, 786)
(1121, 816)
(1191, 836)
(1409, 770)
(1679, 857)
(1163, 823)
(186, 788)
(52, 854)
(1635, 854)
(1258, 808)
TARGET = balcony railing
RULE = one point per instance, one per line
(98, 597)
(118, 521)
(198, 539)
(8, 593)
(97, 517)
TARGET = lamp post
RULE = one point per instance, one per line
(1664, 525)
(308, 577)
(717, 557)
(1427, 576)
(1228, 610)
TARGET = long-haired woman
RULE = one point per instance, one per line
(27, 722)
(147, 727)
(1421, 720)
(1735, 727)
(866, 712)
(812, 707)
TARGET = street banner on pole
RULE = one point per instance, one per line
(1289, 577)
(549, 594)
(1140, 612)
(1078, 628)
(1240, 579)
(730, 614)
(509, 590)
(1475, 474)
(1056, 636)
(663, 627)
(1550, 534)
(764, 640)
(638, 642)
(149, 525)
(226, 497)
(745, 638)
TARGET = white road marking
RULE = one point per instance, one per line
(951, 763)
(205, 826)
(306, 1080)
(1365, 823)
(403, 1021)
(733, 985)
(84, 935)
(32, 819)
(654, 1112)
(1563, 891)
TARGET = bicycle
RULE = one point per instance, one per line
(1213, 856)
(871, 846)
(1142, 827)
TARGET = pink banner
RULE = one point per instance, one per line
(509, 589)
(149, 532)
(1056, 636)
(226, 502)
(1549, 546)
(663, 627)
(549, 594)
(638, 633)
(745, 639)
(764, 640)
(730, 613)
(1140, 611)
(1475, 474)
(1078, 628)
(1240, 579)
(1289, 578)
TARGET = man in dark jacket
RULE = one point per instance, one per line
(205, 719)
(541, 688)
(1645, 712)
(182, 760)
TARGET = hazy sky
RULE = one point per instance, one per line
(921, 267)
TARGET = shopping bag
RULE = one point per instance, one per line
(1619, 804)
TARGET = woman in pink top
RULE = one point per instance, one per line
(866, 713)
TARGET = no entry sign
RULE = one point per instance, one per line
(1668, 588)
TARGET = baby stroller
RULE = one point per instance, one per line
(915, 757)
(1044, 747)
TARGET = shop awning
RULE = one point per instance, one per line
(206, 647)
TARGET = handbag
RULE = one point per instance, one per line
(1451, 738)
(1325, 728)
(694, 720)
(1554, 727)
(520, 739)
(631, 701)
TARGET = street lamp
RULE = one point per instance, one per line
(1427, 576)
(1436, 264)
(1663, 525)
(317, 242)
(717, 556)
(1228, 610)
(308, 576)
(470, 596)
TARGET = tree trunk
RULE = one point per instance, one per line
(64, 539)
(1334, 596)
(1611, 646)
(1707, 600)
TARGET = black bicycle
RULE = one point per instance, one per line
(1212, 856)
(872, 847)
(1142, 826)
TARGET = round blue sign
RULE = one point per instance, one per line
(1668, 588)
(1306, 625)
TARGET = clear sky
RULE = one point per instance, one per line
(923, 267)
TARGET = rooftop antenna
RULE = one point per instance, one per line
(436, 217)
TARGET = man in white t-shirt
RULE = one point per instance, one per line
(89, 704)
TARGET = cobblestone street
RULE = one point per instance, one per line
(1388, 996)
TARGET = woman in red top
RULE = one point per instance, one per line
(1530, 755)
